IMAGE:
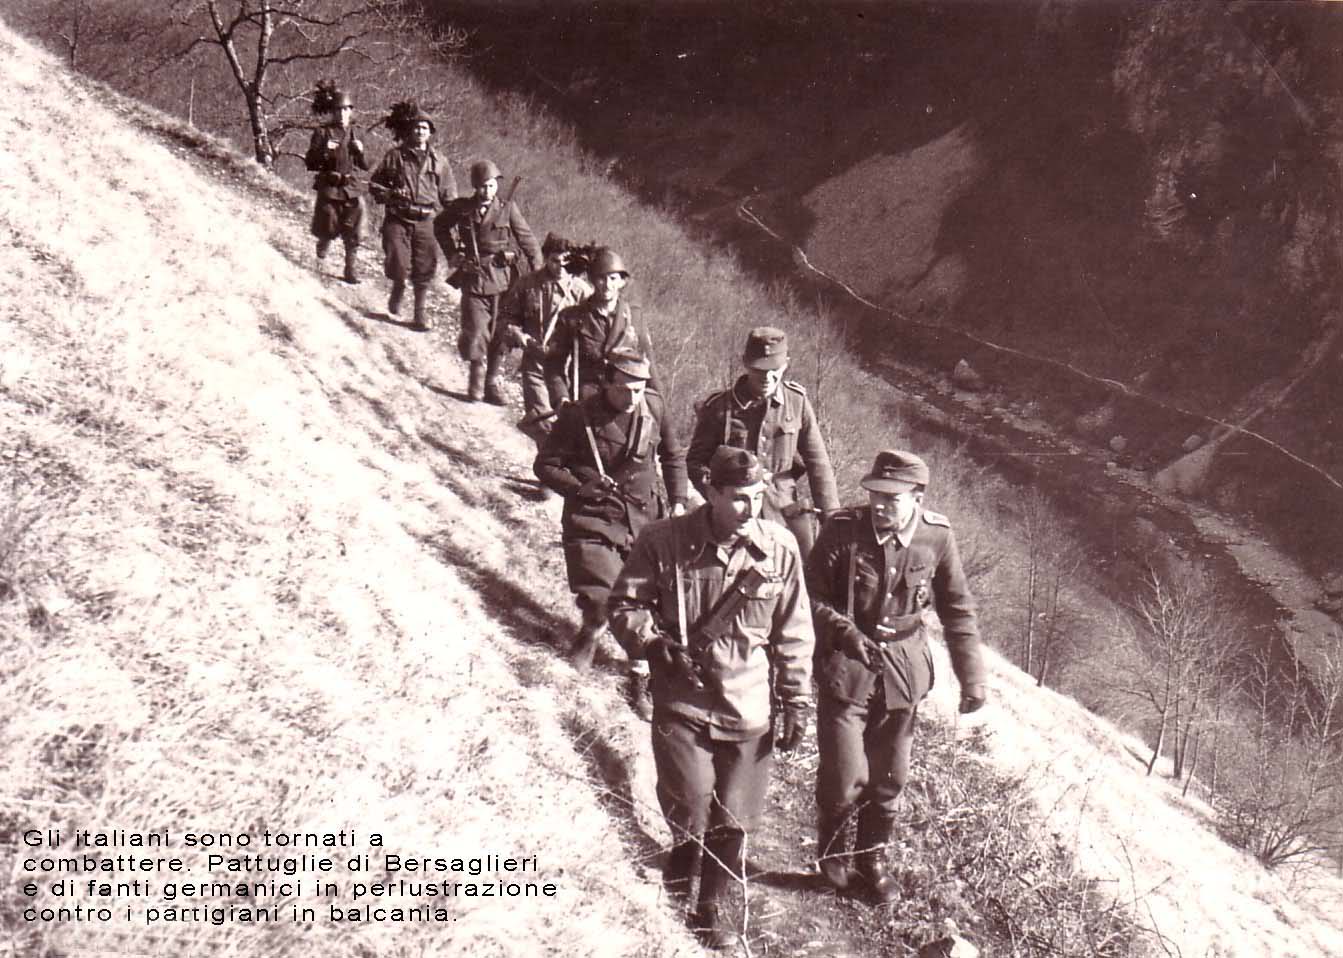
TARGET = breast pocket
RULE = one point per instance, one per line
(759, 601)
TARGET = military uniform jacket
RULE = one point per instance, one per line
(626, 442)
(781, 430)
(535, 302)
(771, 627)
(336, 178)
(892, 585)
(585, 334)
(463, 229)
(413, 183)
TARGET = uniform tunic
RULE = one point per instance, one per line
(486, 235)
(533, 308)
(339, 211)
(866, 721)
(413, 184)
(598, 525)
(711, 743)
(781, 430)
(586, 333)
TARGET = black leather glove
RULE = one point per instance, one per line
(597, 488)
(850, 640)
(665, 653)
(792, 725)
(973, 698)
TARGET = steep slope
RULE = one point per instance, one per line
(262, 571)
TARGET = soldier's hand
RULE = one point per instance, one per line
(357, 146)
(973, 697)
(597, 487)
(665, 653)
(678, 508)
(851, 641)
(792, 726)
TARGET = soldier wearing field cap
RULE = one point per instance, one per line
(481, 235)
(715, 600)
(600, 457)
(773, 418)
(874, 572)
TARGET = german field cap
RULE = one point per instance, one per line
(896, 471)
(630, 363)
(730, 466)
(766, 348)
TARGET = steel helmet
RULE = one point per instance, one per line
(343, 99)
(607, 260)
(483, 170)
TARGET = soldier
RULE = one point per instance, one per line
(414, 182)
(334, 153)
(772, 417)
(587, 333)
(599, 457)
(716, 601)
(478, 233)
(528, 316)
(874, 571)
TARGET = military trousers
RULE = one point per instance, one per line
(592, 566)
(537, 396)
(479, 314)
(343, 219)
(705, 782)
(864, 753)
(409, 250)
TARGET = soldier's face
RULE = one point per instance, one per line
(608, 286)
(555, 264)
(624, 393)
(485, 191)
(893, 510)
(734, 506)
(344, 114)
(419, 135)
(763, 382)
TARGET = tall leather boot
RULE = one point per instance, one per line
(584, 649)
(422, 320)
(874, 833)
(724, 867)
(678, 875)
(492, 394)
(322, 247)
(475, 386)
(394, 300)
(833, 847)
(351, 264)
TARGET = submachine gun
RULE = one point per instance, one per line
(473, 265)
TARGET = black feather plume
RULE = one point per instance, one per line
(324, 97)
(402, 117)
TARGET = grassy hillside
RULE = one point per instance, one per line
(261, 571)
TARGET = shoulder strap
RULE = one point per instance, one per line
(853, 564)
(592, 442)
(680, 583)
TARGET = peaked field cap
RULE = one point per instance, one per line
(730, 466)
(629, 362)
(895, 470)
(766, 348)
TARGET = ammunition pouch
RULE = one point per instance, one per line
(504, 258)
(411, 212)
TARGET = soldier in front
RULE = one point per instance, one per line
(528, 317)
(600, 458)
(773, 418)
(716, 602)
(413, 181)
(480, 235)
(335, 154)
(874, 571)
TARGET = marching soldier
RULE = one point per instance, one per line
(478, 234)
(873, 573)
(600, 458)
(773, 418)
(528, 316)
(334, 154)
(715, 600)
(413, 181)
(589, 332)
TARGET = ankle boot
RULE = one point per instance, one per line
(351, 265)
(584, 649)
(492, 394)
(724, 866)
(422, 320)
(678, 875)
(322, 247)
(475, 387)
(874, 833)
(833, 845)
(398, 293)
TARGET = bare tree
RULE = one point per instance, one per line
(1052, 559)
(92, 34)
(1179, 626)
(262, 40)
